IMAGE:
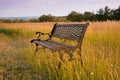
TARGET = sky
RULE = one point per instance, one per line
(26, 8)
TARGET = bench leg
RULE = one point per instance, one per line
(44, 49)
(81, 59)
(60, 59)
(80, 55)
(36, 48)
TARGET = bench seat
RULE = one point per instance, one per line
(53, 45)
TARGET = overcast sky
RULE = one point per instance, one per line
(24, 8)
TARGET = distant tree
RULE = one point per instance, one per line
(88, 16)
(107, 12)
(111, 17)
(75, 16)
(48, 18)
(116, 14)
(7, 21)
(100, 15)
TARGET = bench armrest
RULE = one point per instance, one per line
(41, 33)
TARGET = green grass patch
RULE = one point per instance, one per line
(14, 33)
(11, 32)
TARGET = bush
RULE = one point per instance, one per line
(48, 18)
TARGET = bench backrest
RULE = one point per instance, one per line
(69, 31)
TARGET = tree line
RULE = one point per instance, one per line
(102, 14)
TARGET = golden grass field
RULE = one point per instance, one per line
(100, 53)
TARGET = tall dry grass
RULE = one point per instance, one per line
(100, 52)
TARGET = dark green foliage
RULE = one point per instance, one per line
(6, 20)
(48, 18)
(101, 15)
(88, 16)
(75, 16)
(104, 14)
(116, 14)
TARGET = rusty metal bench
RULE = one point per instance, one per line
(66, 32)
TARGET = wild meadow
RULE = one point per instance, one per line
(100, 54)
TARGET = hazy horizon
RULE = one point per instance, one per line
(29, 8)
